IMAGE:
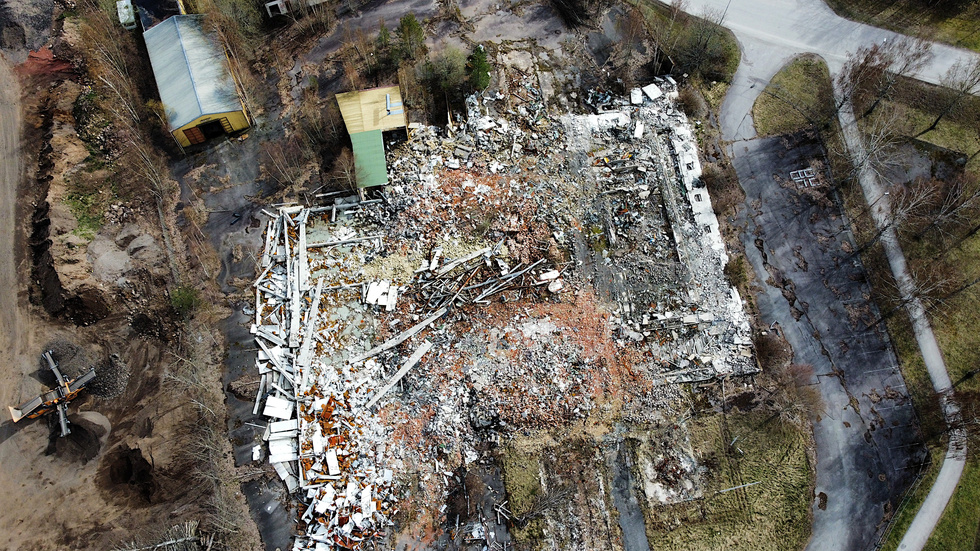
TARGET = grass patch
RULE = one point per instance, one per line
(915, 104)
(957, 323)
(714, 93)
(799, 96)
(521, 470)
(771, 515)
(957, 529)
(955, 24)
(903, 519)
(88, 210)
(184, 300)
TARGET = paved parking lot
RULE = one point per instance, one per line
(868, 446)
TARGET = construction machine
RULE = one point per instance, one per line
(54, 400)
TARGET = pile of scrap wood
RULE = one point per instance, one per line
(474, 278)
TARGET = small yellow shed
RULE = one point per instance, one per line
(196, 85)
(367, 114)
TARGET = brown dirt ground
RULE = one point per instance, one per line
(118, 474)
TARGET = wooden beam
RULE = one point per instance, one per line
(400, 338)
(409, 364)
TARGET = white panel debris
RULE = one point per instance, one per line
(652, 91)
(333, 466)
(636, 96)
(278, 408)
(318, 443)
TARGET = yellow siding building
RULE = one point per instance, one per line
(196, 85)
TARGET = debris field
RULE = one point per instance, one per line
(522, 271)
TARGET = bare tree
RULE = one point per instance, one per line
(871, 73)
(353, 74)
(345, 170)
(624, 56)
(286, 160)
(312, 118)
(182, 537)
(665, 33)
(574, 13)
(958, 205)
(930, 286)
(961, 81)
(960, 289)
(110, 50)
(880, 153)
(543, 502)
(905, 203)
(790, 396)
(702, 43)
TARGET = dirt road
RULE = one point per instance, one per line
(13, 338)
(35, 485)
(11, 170)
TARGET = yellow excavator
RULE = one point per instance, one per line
(54, 400)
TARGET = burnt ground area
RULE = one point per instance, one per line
(815, 290)
(221, 190)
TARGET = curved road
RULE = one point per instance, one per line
(932, 508)
(770, 32)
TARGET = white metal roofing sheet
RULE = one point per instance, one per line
(190, 69)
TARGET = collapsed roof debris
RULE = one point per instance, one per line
(520, 271)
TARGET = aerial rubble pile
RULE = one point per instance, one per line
(634, 164)
(673, 295)
(440, 286)
(320, 440)
(314, 309)
(521, 269)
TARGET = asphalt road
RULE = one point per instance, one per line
(771, 31)
(868, 448)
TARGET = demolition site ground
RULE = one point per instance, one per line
(528, 339)
(525, 340)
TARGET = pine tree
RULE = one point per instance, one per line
(479, 68)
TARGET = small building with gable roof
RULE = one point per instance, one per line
(193, 76)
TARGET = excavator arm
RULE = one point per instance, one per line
(56, 399)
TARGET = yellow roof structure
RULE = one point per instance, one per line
(373, 109)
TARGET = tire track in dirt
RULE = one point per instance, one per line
(12, 338)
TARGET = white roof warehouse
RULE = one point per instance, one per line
(195, 82)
